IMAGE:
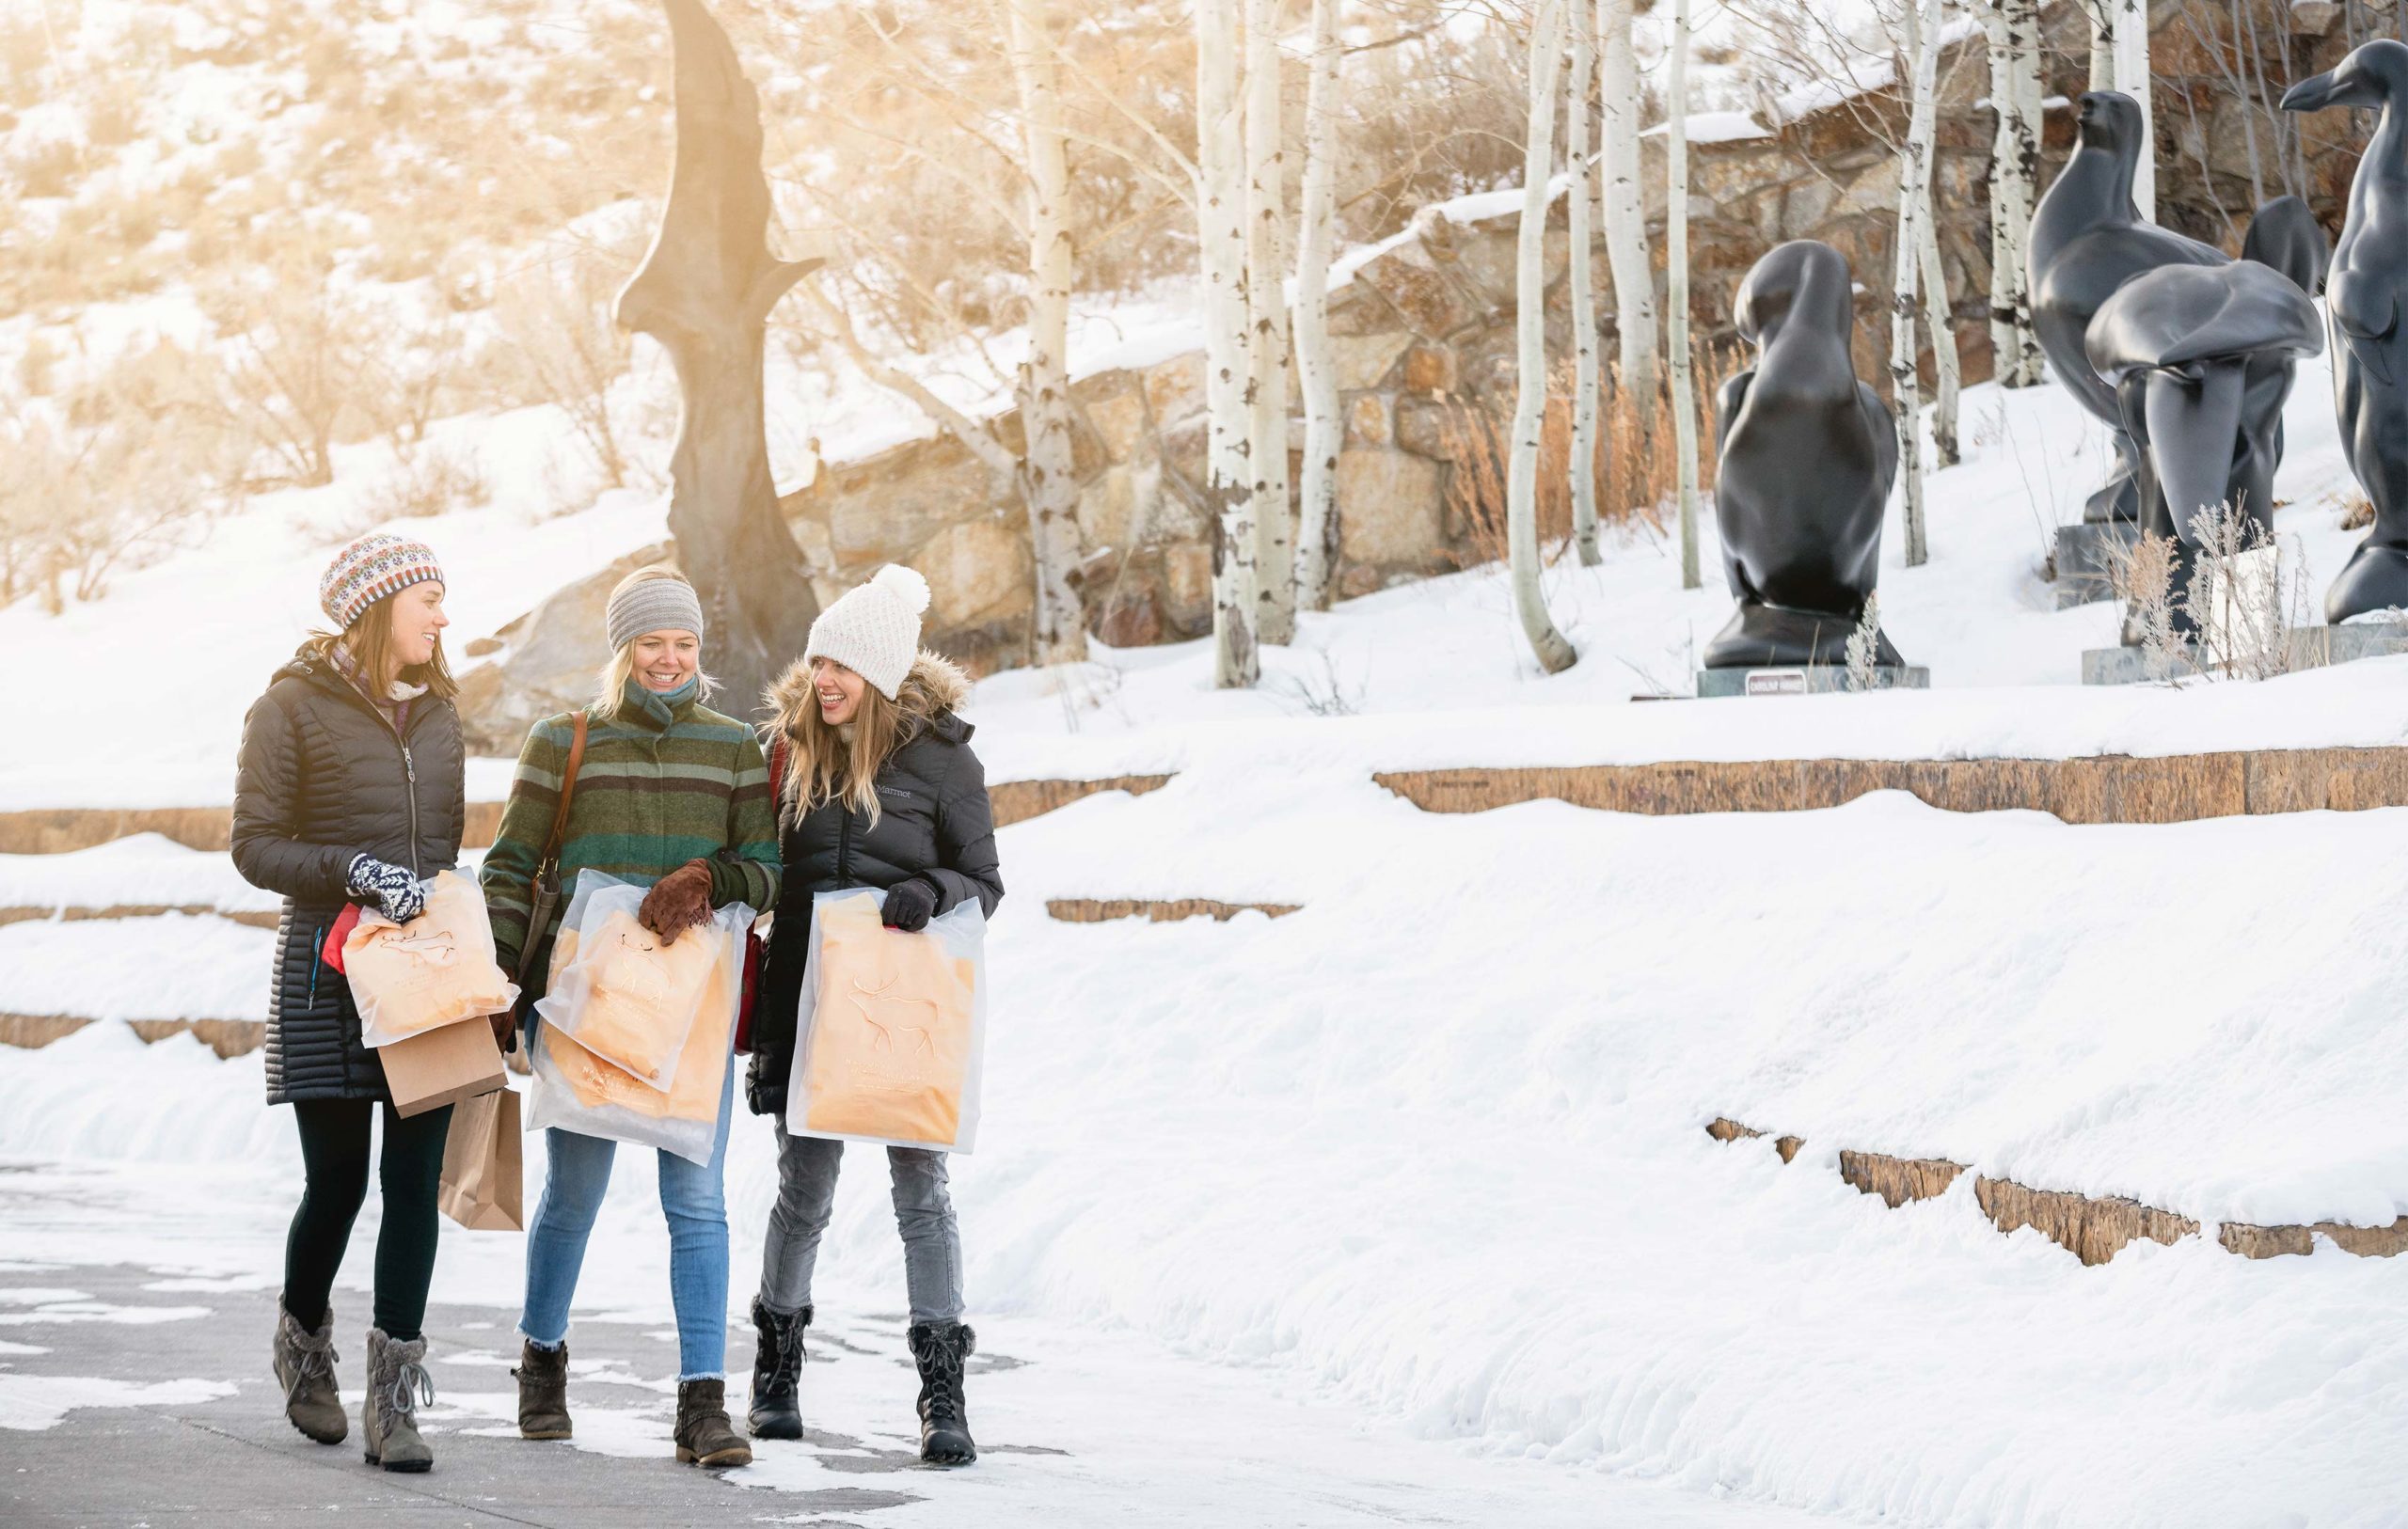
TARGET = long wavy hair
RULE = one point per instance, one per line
(826, 766)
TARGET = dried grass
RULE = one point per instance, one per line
(1632, 463)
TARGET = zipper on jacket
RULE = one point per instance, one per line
(844, 846)
(317, 958)
(409, 769)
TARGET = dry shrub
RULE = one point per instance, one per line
(2230, 618)
(427, 480)
(2357, 512)
(1634, 465)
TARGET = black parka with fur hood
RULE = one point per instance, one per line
(934, 822)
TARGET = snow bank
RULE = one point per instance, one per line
(172, 966)
(1432, 1144)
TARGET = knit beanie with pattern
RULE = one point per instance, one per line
(376, 565)
(874, 630)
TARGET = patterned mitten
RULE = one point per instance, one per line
(391, 887)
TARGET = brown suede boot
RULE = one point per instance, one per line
(305, 1367)
(543, 1392)
(705, 1434)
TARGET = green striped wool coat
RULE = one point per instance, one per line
(661, 785)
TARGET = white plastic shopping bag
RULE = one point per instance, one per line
(889, 1036)
(437, 970)
(578, 1091)
(624, 993)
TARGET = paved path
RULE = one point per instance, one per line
(135, 1305)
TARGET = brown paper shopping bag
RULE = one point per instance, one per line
(482, 1163)
(442, 1066)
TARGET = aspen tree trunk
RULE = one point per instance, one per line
(2013, 29)
(1049, 480)
(1220, 199)
(1266, 280)
(2131, 77)
(1914, 199)
(1580, 197)
(1316, 367)
(1938, 321)
(1625, 218)
(2103, 41)
(1676, 241)
(1529, 333)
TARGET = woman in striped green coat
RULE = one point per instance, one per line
(670, 792)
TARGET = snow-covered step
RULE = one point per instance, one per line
(2094, 1228)
(1160, 910)
(2116, 788)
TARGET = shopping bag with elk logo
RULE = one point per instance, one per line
(891, 1027)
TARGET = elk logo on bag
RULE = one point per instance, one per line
(436, 947)
(886, 1071)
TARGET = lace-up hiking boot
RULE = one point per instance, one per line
(305, 1367)
(704, 1435)
(777, 1372)
(398, 1385)
(543, 1391)
(942, 1353)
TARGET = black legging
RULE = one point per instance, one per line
(333, 1151)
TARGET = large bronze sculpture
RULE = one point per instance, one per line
(2088, 239)
(2363, 293)
(2200, 358)
(1807, 456)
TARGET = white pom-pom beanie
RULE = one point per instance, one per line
(874, 630)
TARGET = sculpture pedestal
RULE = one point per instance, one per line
(1805, 679)
(2311, 647)
(2085, 555)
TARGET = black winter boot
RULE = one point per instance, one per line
(704, 1435)
(305, 1367)
(543, 1391)
(777, 1373)
(944, 1415)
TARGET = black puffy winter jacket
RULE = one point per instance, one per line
(933, 821)
(324, 778)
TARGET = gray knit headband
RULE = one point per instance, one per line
(655, 605)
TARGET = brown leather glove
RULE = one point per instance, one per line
(678, 900)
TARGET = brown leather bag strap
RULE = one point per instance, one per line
(568, 793)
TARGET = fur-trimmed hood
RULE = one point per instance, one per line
(927, 698)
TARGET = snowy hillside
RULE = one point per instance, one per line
(2006, 662)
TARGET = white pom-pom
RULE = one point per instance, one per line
(904, 584)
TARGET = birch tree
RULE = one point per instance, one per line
(1914, 202)
(1625, 216)
(1529, 333)
(2103, 41)
(1676, 242)
(1220, 199)
(1580, 197)
(1938, 311)
(2130, 43)
(1052, 487)
(1316, 367)
(1266, 388)
(2013, 29)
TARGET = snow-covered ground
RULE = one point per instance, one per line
(1430, 1150)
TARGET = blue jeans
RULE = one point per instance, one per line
(693, 1199)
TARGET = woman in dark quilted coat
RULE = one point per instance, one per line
(877, 788)
(350, 790)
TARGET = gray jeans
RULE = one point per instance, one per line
(922, 1212)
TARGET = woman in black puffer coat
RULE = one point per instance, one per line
(351, 790)
(877, 788)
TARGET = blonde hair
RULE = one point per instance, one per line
(611, 690)
(826, 766)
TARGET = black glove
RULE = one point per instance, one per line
(393, 890)
(909, 906)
